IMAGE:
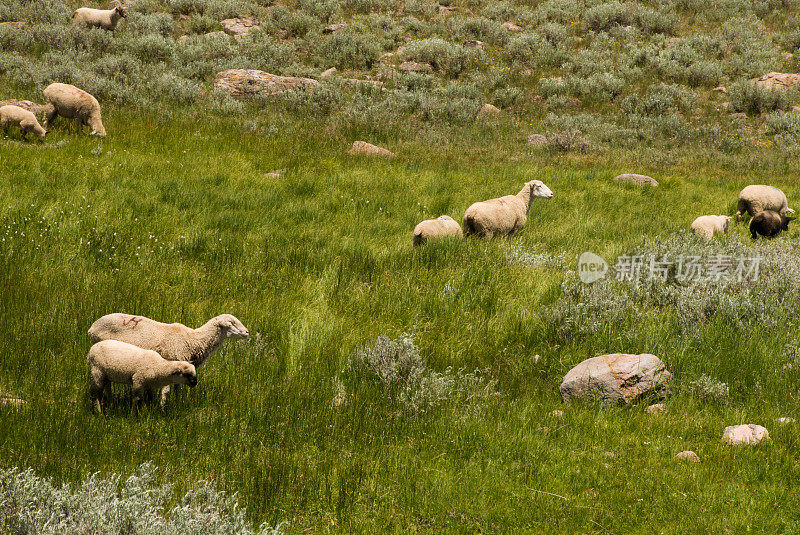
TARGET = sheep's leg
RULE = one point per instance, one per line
(78, 126)
(97, 386)
(164, 394)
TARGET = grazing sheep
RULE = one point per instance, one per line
(112, 361)
(708, 225)
(172, 341)
(769, 224)
(440, 227)
(73, 103)
(25, 120)
(757, 198)
(39, 110)
(106, 19)
(506, 215)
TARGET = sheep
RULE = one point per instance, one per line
(769, 224)
(25, 120)
(106, 19)
(112, 361)
(39, 110)
(506, 215)
(757, 198)
(73, 103)
(440, 227)
(172, 341)
(708, 225)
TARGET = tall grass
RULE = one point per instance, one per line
(174, 218)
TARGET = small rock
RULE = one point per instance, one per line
(415, 66)
(474, 43)
(720, 89)
(672, 41)
(388, 57)
(363, 148)
(239, 26)
(329, 72)
(688, 455)
(537, 140)
(489, 109)
(655, 408)
(278, 173)
(744, 434)
(795, 108)
(333, 28)
(786, 420)
(617, 378)
(511, 27)
(556, 414)
(636, 180)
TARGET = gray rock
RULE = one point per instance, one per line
(618, 378)
(362, 148)
(744, 434)
(636, 180)
(656, 408)
(239, 26)
(333, 28)
(415, 66)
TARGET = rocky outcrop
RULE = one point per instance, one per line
(617, 378)
(244, 83)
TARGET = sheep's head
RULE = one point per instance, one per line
(785, 220)
(184, 373)
(727, 219)
(120, 11)
(232, 327)
(539, 190)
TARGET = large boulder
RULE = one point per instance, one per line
(744, 434)
(618, 378)
(636, 180)
(243, 83)
(780, 80)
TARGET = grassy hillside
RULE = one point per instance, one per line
(173, 216)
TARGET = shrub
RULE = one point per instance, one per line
(534, 51)
(606, 16)
(397, 365)
(325, 10)
(368, 6)
(346, 50)
(753, 99)
(446, 57)
(784, 129)
(156, 23)
(709, 389)
(34, 505)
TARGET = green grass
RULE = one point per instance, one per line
(175, 220)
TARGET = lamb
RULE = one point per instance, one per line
(106, 19)
(25, 120)
(769, 224)
(73, 103)
(112, 361)
(506, 215)
(708, 225)
(757, 198)
(440, 227)
(39, 110)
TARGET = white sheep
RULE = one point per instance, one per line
(73, 103)
(112, 361)
(106, 19)
(25, 120)
(757, 198)
(505, 215)
(440, 227)
(708, 225)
